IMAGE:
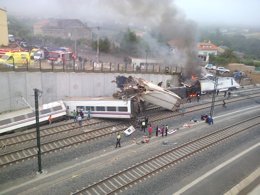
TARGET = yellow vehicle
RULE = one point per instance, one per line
(15, 58)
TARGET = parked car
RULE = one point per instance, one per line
(210, 67)
(222, 69)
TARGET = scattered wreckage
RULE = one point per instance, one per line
(142, 91)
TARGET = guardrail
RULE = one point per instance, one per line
(72, 66)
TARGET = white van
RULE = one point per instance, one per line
(210, 67)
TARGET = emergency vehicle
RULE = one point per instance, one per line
(15, 58)
(60, 57)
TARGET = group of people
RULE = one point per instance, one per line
(163, 130)
(78, 116)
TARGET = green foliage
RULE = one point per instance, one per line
(237, 42)
(129, 42)
(104, 45)
(224, 59)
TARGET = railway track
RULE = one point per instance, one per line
(28, 136)
(22, 147)
(21, 153)
(136, 173)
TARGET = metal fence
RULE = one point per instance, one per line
(72, 66)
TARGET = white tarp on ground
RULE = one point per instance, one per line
(129, 130)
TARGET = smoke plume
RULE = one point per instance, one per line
(160, 22)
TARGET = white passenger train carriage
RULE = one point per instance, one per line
(22, 119)
(100, 107)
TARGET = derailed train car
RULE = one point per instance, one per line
(101, 107)
(205, 86)
(145, 91)
(16, 120)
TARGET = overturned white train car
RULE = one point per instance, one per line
(25, 118)
(222, 84)
(161, 97)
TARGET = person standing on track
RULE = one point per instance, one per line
(157, 131)
(150, 131)
(143, 124)
(79, 119)
(118, 138)
(162, 131)
(50, 119)
(166, 130)
(224, 104)
(74, 113)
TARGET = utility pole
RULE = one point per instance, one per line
(36, 96)
(213, 96)
(98, 44)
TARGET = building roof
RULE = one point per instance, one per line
(207, 46)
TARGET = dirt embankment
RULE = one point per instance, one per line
(253, 76)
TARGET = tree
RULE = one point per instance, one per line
(129, 42)
(104, 45)
(223, 59)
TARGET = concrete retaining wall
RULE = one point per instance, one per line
(55, 86)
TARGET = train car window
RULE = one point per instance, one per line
(122, 109)
(91, 108)
(30, 115)
(80, 108)
(111, 108)
(100, 108)
(18, 118)
(56, 108)
(45, 111)
(4, 122)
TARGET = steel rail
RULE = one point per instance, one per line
(147, 168)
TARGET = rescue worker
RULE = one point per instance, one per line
(210, 120)
(118, 138)
(143, 124)
(198, 97)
